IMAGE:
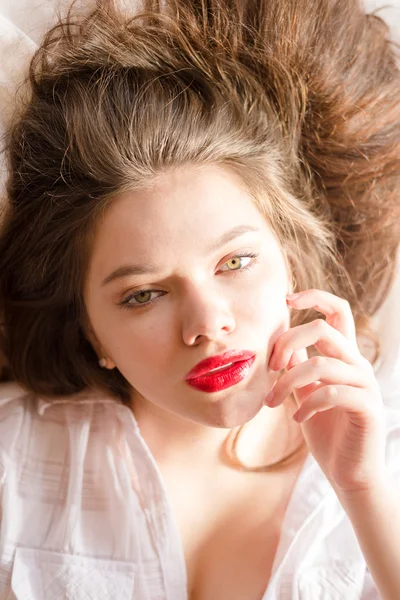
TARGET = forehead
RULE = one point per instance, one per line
(186, 211)
(180, 200)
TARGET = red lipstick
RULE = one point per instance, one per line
(220, 372)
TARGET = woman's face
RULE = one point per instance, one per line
(187, 271)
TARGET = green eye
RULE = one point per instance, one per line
(234, 263)
(143, 297)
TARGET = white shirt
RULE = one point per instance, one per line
(85, 514)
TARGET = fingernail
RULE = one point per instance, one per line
(273, 365)
(279, 363)
(269, 398)
(296, 416)
(293, 296)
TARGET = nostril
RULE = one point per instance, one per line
(206, 315)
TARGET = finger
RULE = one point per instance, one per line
(298, 394)
(319, 368)
(318, 333)
(334, 396)
(298, 357)
(337, 310)
(302, 393)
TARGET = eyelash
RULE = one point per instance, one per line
(125, 303)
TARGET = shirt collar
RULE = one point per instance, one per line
(85, 397)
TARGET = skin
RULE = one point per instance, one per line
(202, 305)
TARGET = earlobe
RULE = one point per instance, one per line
(106, 363)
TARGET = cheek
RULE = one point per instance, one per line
(141, 352)
(264, 302)
(139, 344)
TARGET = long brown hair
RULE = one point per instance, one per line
(299, 98)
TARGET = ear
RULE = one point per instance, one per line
(92, 338)
(106, 363)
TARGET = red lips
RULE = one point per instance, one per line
(234, 364)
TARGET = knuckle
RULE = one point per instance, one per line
(331, 392)
(317, 362)
(319, 325)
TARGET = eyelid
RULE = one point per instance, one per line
(125, 302)
(243, 251)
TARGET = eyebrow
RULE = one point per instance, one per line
(129, 270)
(231, 235)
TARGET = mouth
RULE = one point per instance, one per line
(218, 369)
(220, 372)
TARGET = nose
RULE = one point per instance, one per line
(206, 315)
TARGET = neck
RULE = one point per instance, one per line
(180, 444)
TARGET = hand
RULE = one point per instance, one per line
(340, 407)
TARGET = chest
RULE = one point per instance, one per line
(230, 538)
(234, 560)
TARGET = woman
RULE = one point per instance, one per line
(175, 178)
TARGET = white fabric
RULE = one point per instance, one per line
(85, 514)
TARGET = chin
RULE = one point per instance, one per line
(232, 412)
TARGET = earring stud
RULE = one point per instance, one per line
(103, 362)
